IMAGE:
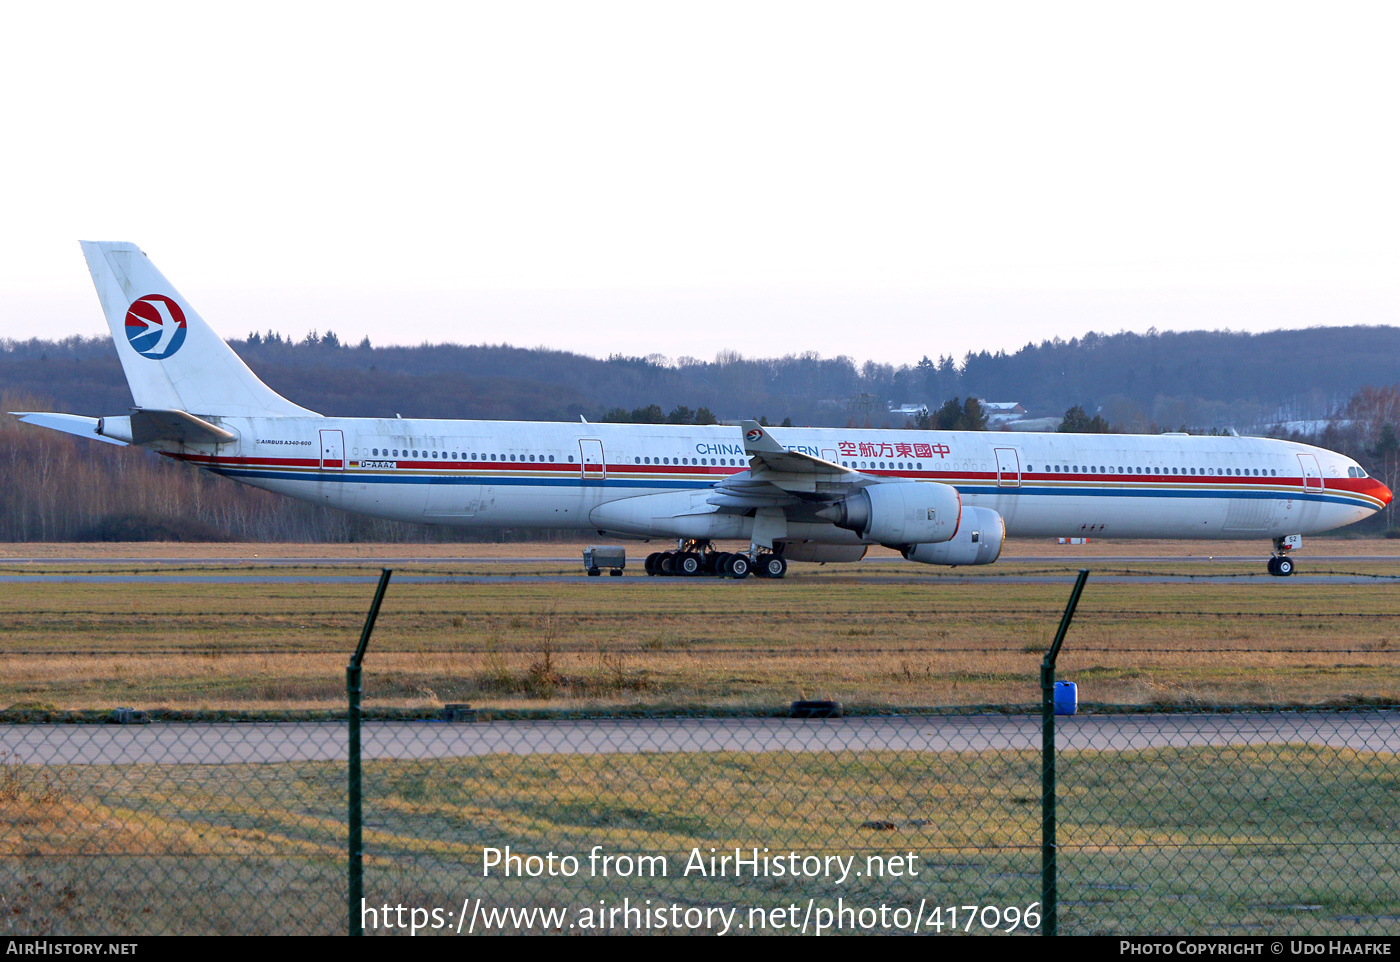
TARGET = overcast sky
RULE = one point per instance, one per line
(878, 180)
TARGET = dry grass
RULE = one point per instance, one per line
(876, 634)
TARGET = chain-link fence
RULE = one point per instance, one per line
(1213, 822)
(175, 828)
(1230, 822)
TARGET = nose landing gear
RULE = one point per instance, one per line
(1280, 565)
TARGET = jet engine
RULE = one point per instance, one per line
(899, 512)
(978, 541)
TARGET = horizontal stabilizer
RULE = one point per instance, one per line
(150, 425)
(141, 427)
(67, 423)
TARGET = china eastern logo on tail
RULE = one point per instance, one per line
(753, 435)
(155, 326)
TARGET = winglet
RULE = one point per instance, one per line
(767, 456)
(757, 440)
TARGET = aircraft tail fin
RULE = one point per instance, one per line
(173, 360)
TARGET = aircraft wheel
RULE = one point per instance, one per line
(738, 567)
(650, 565)
(688, 564)
(666, 564)
(717, 563)
(1284, 567)
(1273, 565)
(771, 566)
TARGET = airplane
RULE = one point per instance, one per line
(794, 494)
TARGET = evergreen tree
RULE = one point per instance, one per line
(1078, 422)
(651, 414)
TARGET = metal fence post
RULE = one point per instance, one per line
(1049, 893)
(352, 692)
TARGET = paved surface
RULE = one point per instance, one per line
(1001, 576)
(1004, 572)
(197, 743)
(637, 557)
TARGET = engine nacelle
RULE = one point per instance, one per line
(978, 541)
(675, 514)
(899, 512)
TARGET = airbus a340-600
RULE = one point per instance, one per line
(794, 494)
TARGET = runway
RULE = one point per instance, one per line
(999, 576)
(636, 559)
(325, 571)
(260, 743)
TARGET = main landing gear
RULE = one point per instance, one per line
(1280, 565)
(695, 558)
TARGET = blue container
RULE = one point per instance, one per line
(1066, 698)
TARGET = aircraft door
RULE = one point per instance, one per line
(593, 463)
(1008, 468)
(1312, 472)
(332, 451)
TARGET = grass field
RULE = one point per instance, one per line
(872, 635)
(1286, 839)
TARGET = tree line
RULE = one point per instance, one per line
(1202, 379)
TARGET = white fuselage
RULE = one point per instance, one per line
(555, 475)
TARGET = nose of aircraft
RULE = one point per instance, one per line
(1382, 493)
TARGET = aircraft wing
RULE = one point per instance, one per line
(780, 478)
(767, 456)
